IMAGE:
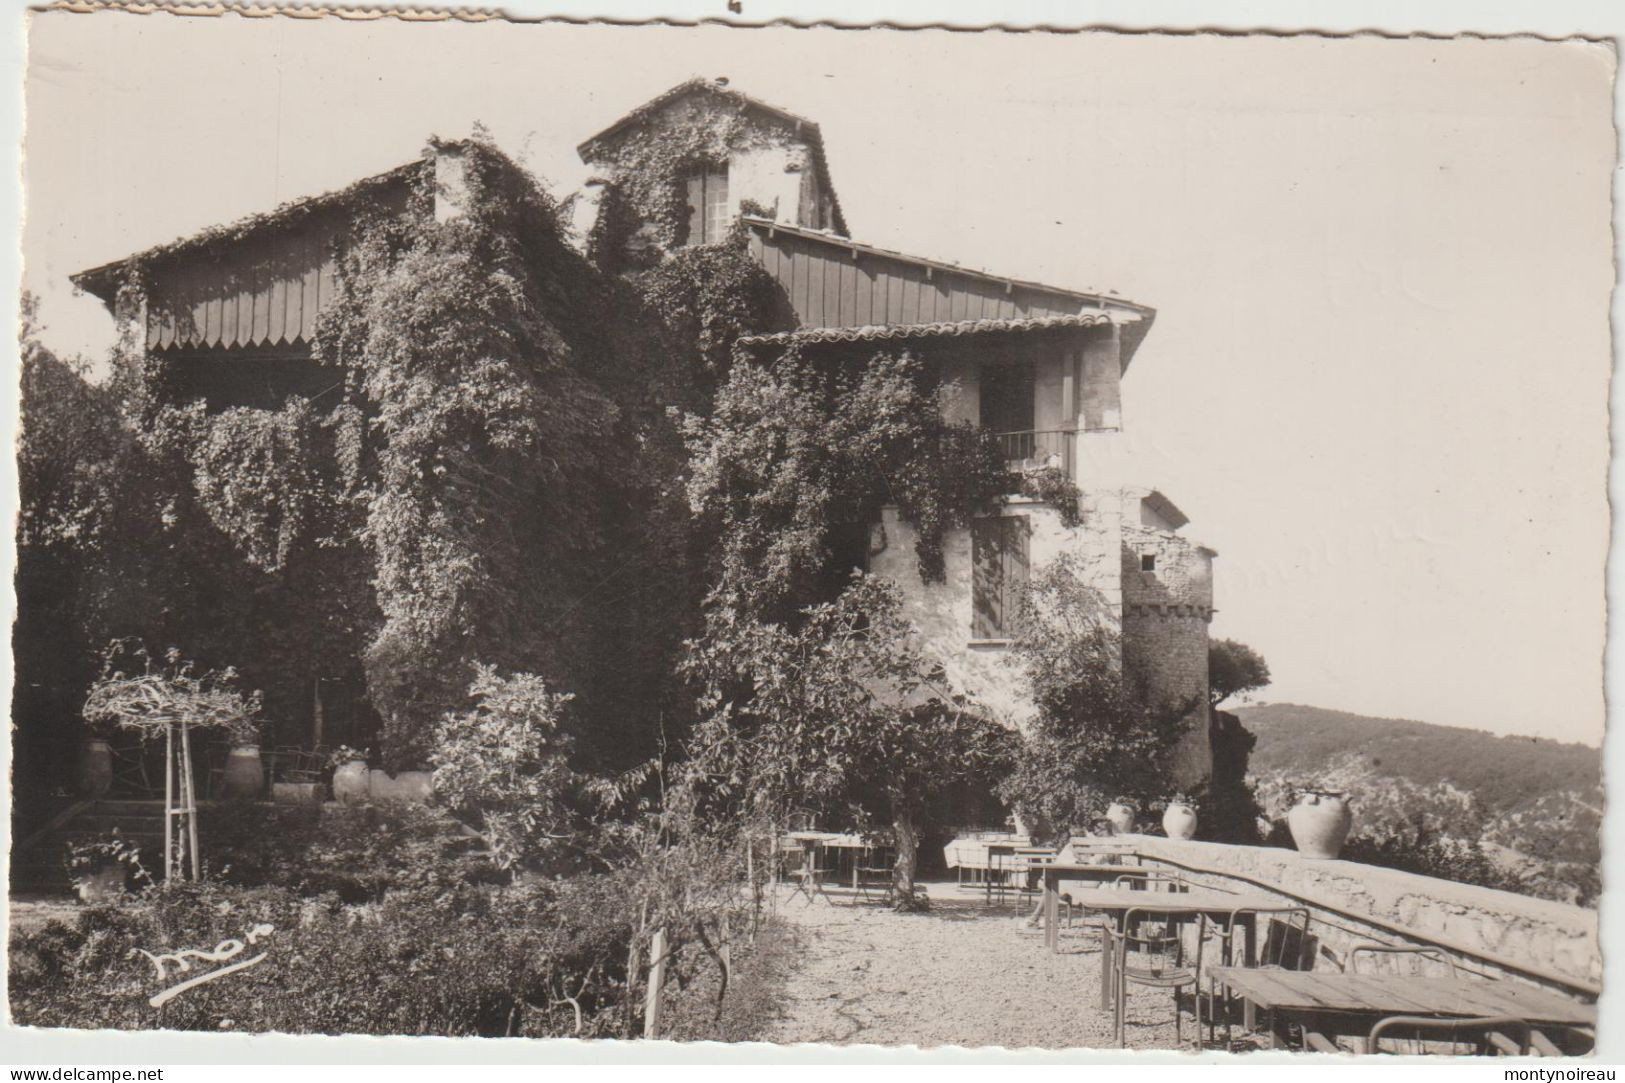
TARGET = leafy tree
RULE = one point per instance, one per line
(839, 712)
(1096, 735)
(1234, 669)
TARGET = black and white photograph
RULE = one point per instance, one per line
(811, 535)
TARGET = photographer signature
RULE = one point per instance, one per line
(223, 951)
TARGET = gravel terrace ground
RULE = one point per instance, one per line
(963, 974)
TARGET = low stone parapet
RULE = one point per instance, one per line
(1492, 931)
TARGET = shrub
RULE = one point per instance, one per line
(477, 961)
(356, 854)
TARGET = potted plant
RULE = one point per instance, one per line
(1120, 814)
(351, 779)
(1320, 819)
(1179, 818)
(244, 777)
(101, 868)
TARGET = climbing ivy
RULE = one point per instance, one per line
(794, 448)
(649, 164)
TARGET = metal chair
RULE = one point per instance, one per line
(1284, 945)
(1488, 1035)
(1395, 951)
(1155, 960)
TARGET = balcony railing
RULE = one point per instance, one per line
(1037, 448)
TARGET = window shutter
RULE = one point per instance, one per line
(696, 208)
(1017, 564)
(987, 578)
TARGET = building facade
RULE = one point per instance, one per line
(233, 312)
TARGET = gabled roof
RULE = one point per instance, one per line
(847, 244)
(103, 282)
(993, 302)
(807, 129)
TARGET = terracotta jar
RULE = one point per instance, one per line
(95, 767)
(352, 784)
(244, 778)
(1179, 821)
(1320, 822)
(102, 884)
(1121, 817)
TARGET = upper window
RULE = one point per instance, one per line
(999, 562)
(708, 205)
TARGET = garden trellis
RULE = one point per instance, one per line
(172, 701)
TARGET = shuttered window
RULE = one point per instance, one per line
(708, 206)
(999, 563)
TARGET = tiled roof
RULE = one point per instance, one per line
(881, 332)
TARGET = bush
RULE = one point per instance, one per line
(473, 961)
(357, 854)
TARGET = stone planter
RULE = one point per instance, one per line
(413, 786)
(102, 884)
(1121, 817)
(95, 767)
(1179, 821)
(296, 793)
(244, 778)
(351, 783)
(1320, 823)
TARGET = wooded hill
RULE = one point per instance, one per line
(1539, 798)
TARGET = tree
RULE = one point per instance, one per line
(839, 712)
(1096, 735)
(1234, 669)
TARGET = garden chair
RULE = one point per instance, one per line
(1398, 954)
(1155, 960)
(1282, 939)
(1490, 1035)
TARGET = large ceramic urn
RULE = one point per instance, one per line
(1120, 814)
(1320, 823)
(95, 767)
(244, 777)
(1179, 820)
(352, 783)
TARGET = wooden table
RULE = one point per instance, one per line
(1329, 1005)
(1173, 905)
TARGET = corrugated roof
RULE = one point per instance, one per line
(698, 85)
(892, 331)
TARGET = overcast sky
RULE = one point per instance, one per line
(1378, 377)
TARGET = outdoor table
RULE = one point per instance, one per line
(808, 883)
(1173, 905)
(1330, 1005)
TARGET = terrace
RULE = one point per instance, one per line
(1483, 972)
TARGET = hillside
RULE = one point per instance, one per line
(1535, 803)
(1504, 773)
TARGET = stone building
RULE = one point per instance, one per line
(1040, 365)
(233, 312)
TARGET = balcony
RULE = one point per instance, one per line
(1033, 449)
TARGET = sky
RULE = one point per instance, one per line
(1378, 378)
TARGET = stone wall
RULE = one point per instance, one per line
(984, 669)
(1487, 931)
(1165, 621)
